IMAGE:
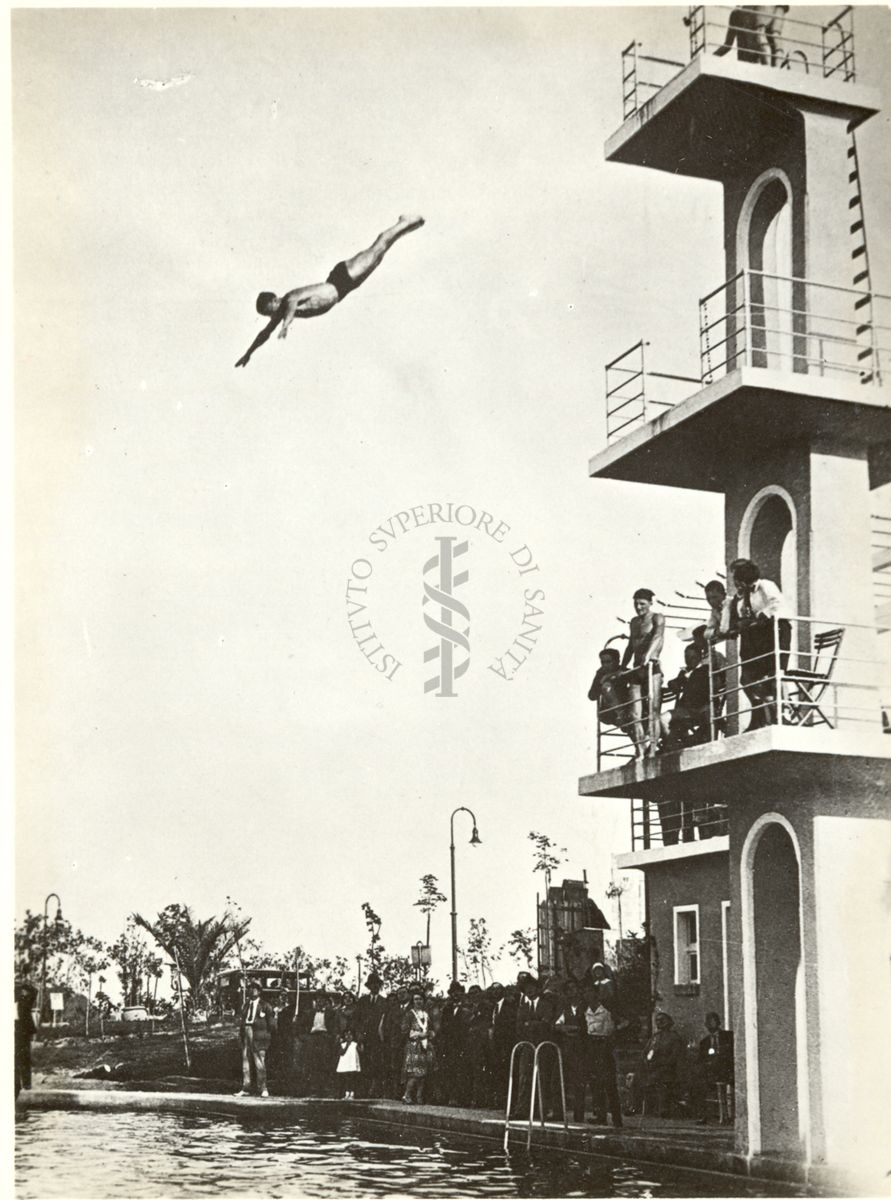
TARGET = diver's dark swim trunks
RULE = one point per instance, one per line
(340, 277)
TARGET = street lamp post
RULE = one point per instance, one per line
(56, 921)
(474, 841)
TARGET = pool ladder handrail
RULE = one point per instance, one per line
(534, 1090)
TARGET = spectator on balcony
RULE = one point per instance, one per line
(717, 664)
(689, 722)
(609, 689)
(758, 616)
(647, 633)
(718, 603)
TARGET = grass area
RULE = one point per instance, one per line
(215, 1054)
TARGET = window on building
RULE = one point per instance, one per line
(686, 945)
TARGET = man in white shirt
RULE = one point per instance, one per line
(759, 615)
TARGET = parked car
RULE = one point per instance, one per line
(135, 1012)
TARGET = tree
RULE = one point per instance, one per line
(327, 974)
(58, 941)
(479, 953)
(614, 892)
(519, 945)
(91, 957)
(202, 948)
(430, 899)
(548, 857)
(130, 954)
(375, 948)
(395, 970)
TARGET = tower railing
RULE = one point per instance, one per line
(655, 824)
(634, 394)
(643, 75)
(813, 47)
(759, 319)
(799, 671)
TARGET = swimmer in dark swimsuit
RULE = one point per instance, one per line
(318, 298)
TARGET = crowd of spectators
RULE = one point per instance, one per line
(418, 1047)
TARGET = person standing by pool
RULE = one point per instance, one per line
(319, 1052)
(24, 1032)
(257, 1024)
(369, 1012)
(663, 1059)
(418, 1055)
(395, 1007)
(348, 1065)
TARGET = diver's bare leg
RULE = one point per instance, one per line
(360, 266)
(640, 736)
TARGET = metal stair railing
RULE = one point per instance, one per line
(535, 1089)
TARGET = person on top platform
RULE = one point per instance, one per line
(317, 298)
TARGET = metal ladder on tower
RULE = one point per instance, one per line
(867, 351)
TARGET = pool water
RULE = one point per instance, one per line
(118, 1155)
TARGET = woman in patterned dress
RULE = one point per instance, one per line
(418, 1035)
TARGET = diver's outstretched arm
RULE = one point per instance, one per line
(258, 341)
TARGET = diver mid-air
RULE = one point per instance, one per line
(318, 298)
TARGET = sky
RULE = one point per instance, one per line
(194, 715)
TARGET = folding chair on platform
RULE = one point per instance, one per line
(805, 689)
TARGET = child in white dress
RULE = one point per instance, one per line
(348, 1065)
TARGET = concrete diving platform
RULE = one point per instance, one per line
(757, 407)
(718, 111)
(776, 758)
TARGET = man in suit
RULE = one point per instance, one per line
(369, 1014)
(395, 1007)
(504, 1035)
(535, 1020)
(715, 1062)
(570, 1034)
(455, 1080)
(257, 1025)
